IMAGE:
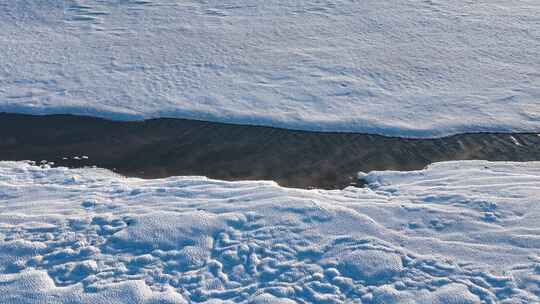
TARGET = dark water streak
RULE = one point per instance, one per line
(166, 147)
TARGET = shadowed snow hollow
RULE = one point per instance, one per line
(456, 232)
(408, 68)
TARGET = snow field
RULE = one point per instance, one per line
(401, 68)
(456, 232)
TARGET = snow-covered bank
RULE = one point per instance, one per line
(405, 68)
(457, 232)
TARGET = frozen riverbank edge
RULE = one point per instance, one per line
(397, 68)
(175, 147)
(455, 232)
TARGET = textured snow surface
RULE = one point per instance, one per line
(417, 68)
(456, 232)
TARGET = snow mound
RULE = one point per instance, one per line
(169, 231)
(371, 266)
(405, 68)
(448, 294)
(456, 232)
(38, 287)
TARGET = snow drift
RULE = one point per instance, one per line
(456, 232)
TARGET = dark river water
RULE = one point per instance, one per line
(165, 147)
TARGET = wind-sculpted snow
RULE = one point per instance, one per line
(407, 68)
(456, 232)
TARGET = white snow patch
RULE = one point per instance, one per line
(516, 142)
(406, 68)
